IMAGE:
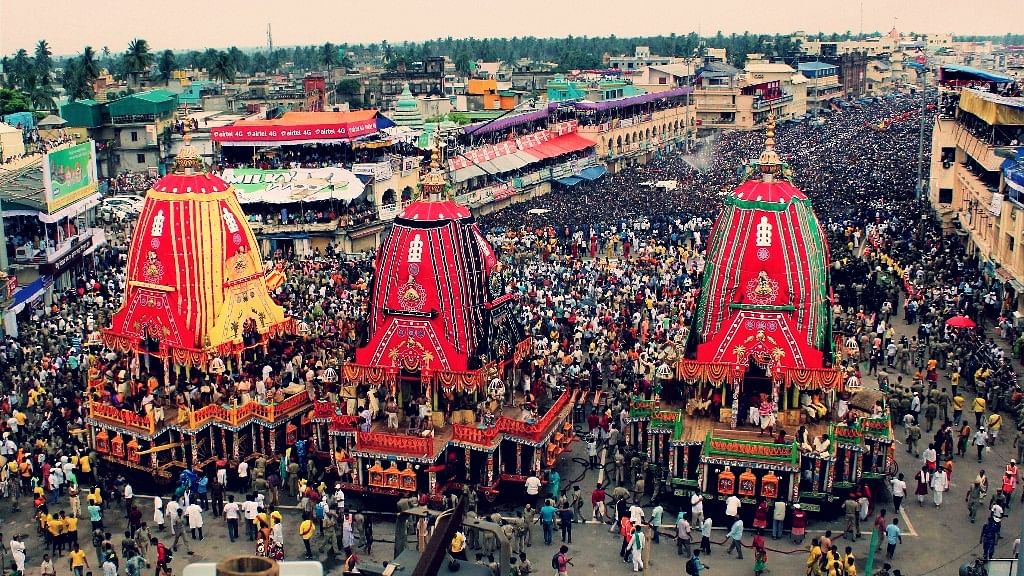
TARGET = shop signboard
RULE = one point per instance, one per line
(69, 175)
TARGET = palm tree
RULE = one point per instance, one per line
(138, 58)
(43, 62)
(166, 65)
(74, 80)
(222, 68)
(40, 93)
(21, 68)
(90, 68)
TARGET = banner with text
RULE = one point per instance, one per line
(296, 185)
(69, 175)
(295, 134)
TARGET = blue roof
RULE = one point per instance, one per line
(815, 66)
(983, 74)
(593, 173)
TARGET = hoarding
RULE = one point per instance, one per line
(295, 185)
(69, 175)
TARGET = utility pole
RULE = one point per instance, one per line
(920, 134)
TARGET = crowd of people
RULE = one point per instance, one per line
(606, 279)
(131, 182)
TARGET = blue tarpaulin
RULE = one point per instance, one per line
(1013, 175)
(593, 173)
(977, 72)
(28, 292)
(569, 181)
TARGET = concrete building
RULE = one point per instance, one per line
(666, 76)
(823, 83)
(974, 133)
(641, 58)
(562, 89)
(424, 78)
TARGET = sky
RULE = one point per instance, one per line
(68, 25)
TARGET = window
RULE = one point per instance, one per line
(662, 80)
(948, 154)
(1010, 242)
(140, 158)
(945, 195)
(135, 136)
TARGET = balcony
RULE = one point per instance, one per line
(311, 228)
(716, 107)
(981, 151)
(760, 104)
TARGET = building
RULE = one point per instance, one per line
(485, 94)
(131, 133)
(48, 224)
(743, 100)
(635, 129)
(975, 132)
(879, 77)
(823, 83)
(424, 78)
(641, 58)
(562, 89)
(660, 77)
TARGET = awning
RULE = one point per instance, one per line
(28, 293)
(569, 181)
(463, 174)
(509, 162)
(564, 144)
(593, 173)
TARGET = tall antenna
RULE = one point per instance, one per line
(862, 19)
(270, 39)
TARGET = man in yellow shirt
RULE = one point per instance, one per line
(958, 408)
(306, 531)
(78, 560)
(978, 406)
(55, 528)
(70, 529)
(85, 466)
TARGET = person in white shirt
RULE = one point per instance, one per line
(243, 475)
(697, 507)
(195, 520)
(18, 553)
(172, 513)
(899, 490)
(158, 513)
(636, 514)
(128, 495)
(732, 506)
(232, 512)
(250, 510)
(533, 489)
(339, 499)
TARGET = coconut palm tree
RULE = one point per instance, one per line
(138, 58)
(90, 67)
(43, 62)
(222, 67)
(166, 65)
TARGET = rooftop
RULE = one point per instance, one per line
(815, 66)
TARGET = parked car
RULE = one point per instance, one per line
(120, 207)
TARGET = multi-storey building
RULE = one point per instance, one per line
(823, 84)
(423, 78)
(976, 130)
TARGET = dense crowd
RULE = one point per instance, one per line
(131, 182)
(606, 278)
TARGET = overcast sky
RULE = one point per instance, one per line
(68, 25)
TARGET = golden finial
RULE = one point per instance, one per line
(769, 162)
(188, 159)
(433, 184)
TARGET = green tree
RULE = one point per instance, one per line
(75, 82)
(166, 65)
(138, 58)
(12, 101)
(21, 68)
(43, 62)
(239, 59)
(259, 63)
(223, 68)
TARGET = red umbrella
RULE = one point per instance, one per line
(960, 322)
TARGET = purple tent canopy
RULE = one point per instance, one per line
(633, 100)
(509, 121)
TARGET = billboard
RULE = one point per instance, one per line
(69, 175)
(294, 185)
